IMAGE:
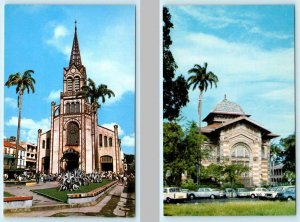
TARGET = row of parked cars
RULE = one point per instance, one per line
(281, 193)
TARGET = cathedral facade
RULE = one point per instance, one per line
(234, 137)
(75, 140)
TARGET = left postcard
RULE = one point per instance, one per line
(69, 111)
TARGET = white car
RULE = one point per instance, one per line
(174, 194)
(258, 192)
(273, 192)
(206, 193)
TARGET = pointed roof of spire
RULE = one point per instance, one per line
(75, 53)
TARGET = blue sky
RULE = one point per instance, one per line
(250, 49)
(39, 37)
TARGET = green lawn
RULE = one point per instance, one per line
(55, 194)
(257, 208)
(6, 194)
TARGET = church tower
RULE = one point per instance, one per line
(75, 141)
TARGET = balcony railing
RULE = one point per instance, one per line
(66, 94)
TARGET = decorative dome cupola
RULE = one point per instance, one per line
(224, 111)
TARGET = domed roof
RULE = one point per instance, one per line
(227, 106)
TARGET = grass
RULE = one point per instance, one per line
(55, 194)
(7, 194)
(257, 208)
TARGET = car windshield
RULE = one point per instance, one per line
(273, 188)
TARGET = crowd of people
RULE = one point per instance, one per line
(75, 179)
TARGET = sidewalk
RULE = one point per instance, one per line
(115, 199)
(38, 200)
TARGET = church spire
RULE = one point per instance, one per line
(75, 53)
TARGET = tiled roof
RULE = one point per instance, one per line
(11, 145)
(213, 127)
(227, 106)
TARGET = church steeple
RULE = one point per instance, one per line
(75, 53)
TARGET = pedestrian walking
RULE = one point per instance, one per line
(37, 177)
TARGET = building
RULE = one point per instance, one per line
(75, 140)
(31, 155)
(276, 173)
(234, 137)
(9, 151)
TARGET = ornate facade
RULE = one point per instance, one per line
(234, 137)
(75, 140)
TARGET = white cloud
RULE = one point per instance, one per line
(215, 18)
(220, 18)
(59, 32)
(128, 141)
(111, 127)
(267, 34)
(29, 127)
(285, 94)
(11, 102)
(54, 95)
(58, 39)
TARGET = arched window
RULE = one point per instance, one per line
(105, 141)
(73, 134)
(72, 107)
(110, 141)
(77, 83)
(240, 154)
(77, 107)
(69, 84)
(68, 108)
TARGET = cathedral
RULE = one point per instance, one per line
(75, 140)
(233, 136)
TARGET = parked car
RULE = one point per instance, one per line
(174, 194)
(230, 193)
(242, 192)
(258, 192)
(206, 193)
(287, 194)
(273, 192)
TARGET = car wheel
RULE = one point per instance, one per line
(252, 196)
(168, 200)
(289, 199)
(192, 197)
(212, 196)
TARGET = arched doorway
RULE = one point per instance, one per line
(71, 160)
(106, 163)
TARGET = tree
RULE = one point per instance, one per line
(289, 153)
(201, 80)
(22, 82)
(192, 144)
(233, 171)
(94, 93)
(174, 163)
(175, 90)
(276, 153)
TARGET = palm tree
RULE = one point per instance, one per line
(22, 82)
(201, 80)
(94, 93)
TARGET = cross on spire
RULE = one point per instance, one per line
(75, 57)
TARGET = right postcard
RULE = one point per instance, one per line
(229, 110)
